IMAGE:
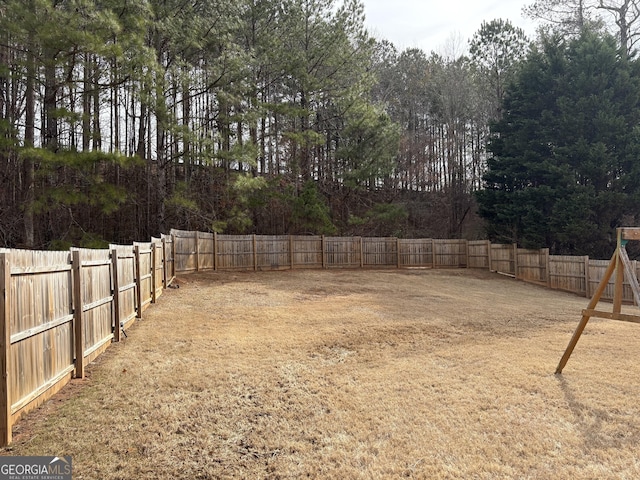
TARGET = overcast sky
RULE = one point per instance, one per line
(431, 24)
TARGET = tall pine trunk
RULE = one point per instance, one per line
(50, 102)
(28, 195)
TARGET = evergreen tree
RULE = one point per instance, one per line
(564, 168)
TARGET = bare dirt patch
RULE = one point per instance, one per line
(352, 374)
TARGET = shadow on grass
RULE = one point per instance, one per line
(598, 419)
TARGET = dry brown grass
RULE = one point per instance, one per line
(352, 374)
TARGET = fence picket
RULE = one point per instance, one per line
(78, 324)
(5, 347)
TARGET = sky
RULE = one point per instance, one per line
(433, 24)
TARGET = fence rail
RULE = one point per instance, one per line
(60, 310)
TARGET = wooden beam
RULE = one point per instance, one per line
(604, 281)
(623, 317)
(585, 318)
(631, 274)
(572, 343)
(618, 288)
(630, 233)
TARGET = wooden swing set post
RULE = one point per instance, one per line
(618, 265)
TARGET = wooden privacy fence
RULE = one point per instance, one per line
(198, 251)
(60, 310)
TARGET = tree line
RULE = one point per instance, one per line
(120, 119)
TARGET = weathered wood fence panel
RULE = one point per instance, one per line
(169, 263)
(532, 265)
(94, 307)
(205, 251)
(503, 259)
(479, 254)
(380, 252)
(273, 252)
(570, 273)
(450, 253)
(37, 317)
(307, 251)
(185, 250)
(235, 252)
(144, 277)
(60, 310)
(158, 267)
(125, 284)
(416, 252)
(342, 252)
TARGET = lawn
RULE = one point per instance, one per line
(352, 374)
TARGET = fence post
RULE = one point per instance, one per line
(153, 272)
(136, 253)
(466, 243)
(634, 270)
(116, 295)
(291, 254)
(433, 253)
(165, 278)
(361, 252)
(255, 253)
(515, 260)
(587, 279)
(5, 349)
(398, 251)
(324, 260)
(547, 267)
(489, 259)
(215, 250)
(197, 251)
(78, 326)
(173, 256)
